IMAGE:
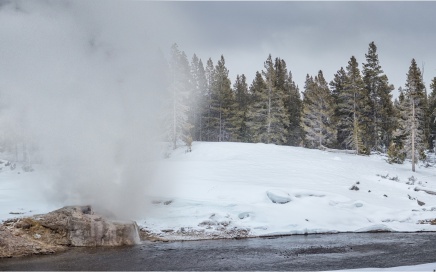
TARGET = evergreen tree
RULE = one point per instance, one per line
(352, 106)
(293, 105)
(198, 97)
(221, 101)
(207, 113)
(432, 114)
(338, 82)
(178, 126)
(280, 73)
(337, 86)
(286, 87)
(412, 122)
(239, 114)
(268, 116)
(379, 90)
(318, 112)
(395, 150)
(257, 113)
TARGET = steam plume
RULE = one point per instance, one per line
(80, 81)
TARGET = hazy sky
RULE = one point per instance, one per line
(311, 36)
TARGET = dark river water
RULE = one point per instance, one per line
(312, 252)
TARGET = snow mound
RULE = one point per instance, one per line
(244, 215)
(278, 196)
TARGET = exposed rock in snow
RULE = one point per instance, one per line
(354, 188)
(84, 228)
(420, 203)
(417, 189)
(68, 226)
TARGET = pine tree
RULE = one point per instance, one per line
(268, 117)
(379, 90)
(412, 122)
(337, 86)
(432, 114)
(318, 112)
(286, 87)
(222, 99)
(256, 113)
(198, 98)
(178, 126)
(338, 82)
(395, 150)
(293, 105)
(207, 113)
(239, 112)
(352, 106)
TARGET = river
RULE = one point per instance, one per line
(298, 252)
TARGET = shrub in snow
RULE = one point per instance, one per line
(396, 154)
(188, 142)
(411, 181)
(385, 176)
(412, 178)
(279, 197)
(394, 178)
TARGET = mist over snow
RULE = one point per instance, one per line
(80, 82)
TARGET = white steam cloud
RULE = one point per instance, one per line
(80, 80)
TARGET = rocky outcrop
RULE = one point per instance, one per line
(68, 226)
(14, 243)
(85, 228)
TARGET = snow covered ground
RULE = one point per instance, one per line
(259, 189)
(228, 186)
(231, 185)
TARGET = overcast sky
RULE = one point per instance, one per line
(311, 36)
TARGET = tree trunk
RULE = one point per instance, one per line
(174, 120)
(413, 135)
(356, 139)
(269, 115)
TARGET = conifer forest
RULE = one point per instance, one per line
(352, 111)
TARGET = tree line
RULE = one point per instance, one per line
(354, 111)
